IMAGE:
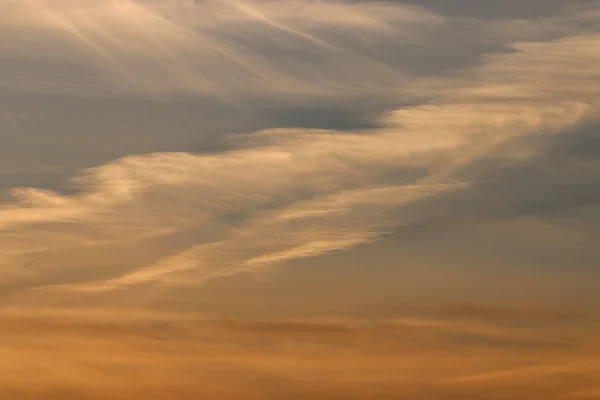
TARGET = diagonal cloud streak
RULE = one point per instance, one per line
(177, 218)
(211, 47)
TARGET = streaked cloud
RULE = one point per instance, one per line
(290, 193)
(212, 47)
(339, 358)
(232, 49)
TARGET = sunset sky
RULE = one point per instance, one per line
(300, 199)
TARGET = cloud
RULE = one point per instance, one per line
(588, 393)
(528, 313)
(174, 220)
(509, 9)
(119, 355)
(218, 48)
(283, 194)
(230, 50)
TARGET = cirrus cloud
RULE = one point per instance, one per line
(289, 193)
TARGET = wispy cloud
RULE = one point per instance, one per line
(290, 193)
(230, 49)
(211, 47)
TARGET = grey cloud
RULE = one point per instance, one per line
(554, 183)
(505, 9)
(553, 190)
(524, 313)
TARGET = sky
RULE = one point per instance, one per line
(303, 199)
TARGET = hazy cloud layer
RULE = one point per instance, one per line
(101, 356)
